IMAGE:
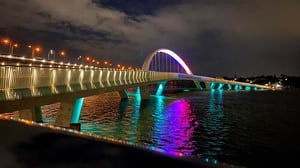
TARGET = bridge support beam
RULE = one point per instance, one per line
(69, 114)
(145, 92)
(32, 114)
(220, 86)
(229, 87)
(161, 87)
(123, 94)
(207, 85)
(198, 86)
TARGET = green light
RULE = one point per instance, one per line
(186, 90)
(220, 86)
(160, 88)
(212, 85)
(138, 90)
(77, 110)
(229, 86)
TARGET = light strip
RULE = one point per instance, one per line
(178, 59)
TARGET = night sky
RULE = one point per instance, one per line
(214, 37)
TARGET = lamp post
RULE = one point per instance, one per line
(106, 64)
(63, 54)
(11, 45)
(88, 59)
(51, 52)
(34, 50)
(12, 48)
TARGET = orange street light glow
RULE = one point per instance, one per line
(62, 53)
(6, 41)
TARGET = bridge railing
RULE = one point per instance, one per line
(218, 80)
(17, 82)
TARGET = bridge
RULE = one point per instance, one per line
(26, 84)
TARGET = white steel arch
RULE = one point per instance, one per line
(148, 59)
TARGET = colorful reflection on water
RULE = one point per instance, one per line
(173, 127)
(169, 124)
(164, 123)
(236, 127)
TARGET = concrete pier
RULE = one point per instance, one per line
(69, 112)
(207, 85)
(32, 114)
(123, 94)
(145, 92)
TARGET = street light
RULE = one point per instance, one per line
(88, 59)
(80, 57)
(105, 63)
(34, 50)
(63, 54)
(10, 44)
(51, 52)
(12, 48)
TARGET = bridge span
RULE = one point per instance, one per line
(25, 87)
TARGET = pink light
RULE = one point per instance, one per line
(178, 59)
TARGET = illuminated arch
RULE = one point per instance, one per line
(148, 60)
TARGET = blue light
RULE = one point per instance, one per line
(152, 147)
(212, 85)
(160, 88)
(138, 90)
(201, 88)
(77, 110)
(248, 88)
(220, 86)
(229, 86)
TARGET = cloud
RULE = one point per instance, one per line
(218, 33)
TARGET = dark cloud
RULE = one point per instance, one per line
(216, 38)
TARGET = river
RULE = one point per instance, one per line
(242, 128)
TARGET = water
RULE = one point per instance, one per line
(244, 128)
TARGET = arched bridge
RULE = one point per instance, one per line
(26, 84)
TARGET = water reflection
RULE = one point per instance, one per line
(174, 127)
(197, 123)
(211, 130)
